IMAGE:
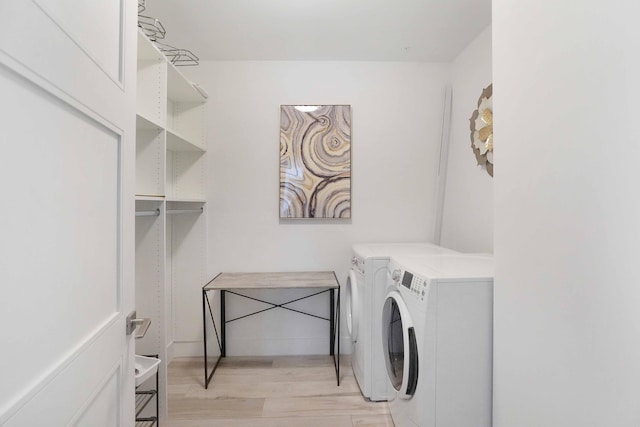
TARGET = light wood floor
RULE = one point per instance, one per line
(286, 391)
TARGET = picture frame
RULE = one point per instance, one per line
(315, 161)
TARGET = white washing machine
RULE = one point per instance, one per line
(365, 294)
(437, 333)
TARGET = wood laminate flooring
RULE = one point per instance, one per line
(283, 391)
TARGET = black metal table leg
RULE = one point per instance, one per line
(333, 325)
(332, 320)
(338, 336)
(204, 328)
(223, 324)
(207, 375)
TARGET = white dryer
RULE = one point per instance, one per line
(437, 323)
(366, 290)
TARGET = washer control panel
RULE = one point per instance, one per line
(415, 284)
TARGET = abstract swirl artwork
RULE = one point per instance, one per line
(315, 161)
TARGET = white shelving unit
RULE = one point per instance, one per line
(170, 197)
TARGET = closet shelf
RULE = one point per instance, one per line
(146, 50)
(178, 142)
(146, 123)
(186, 200)
(146, 197)
(170, 252)
(180, 89)
(185, 211)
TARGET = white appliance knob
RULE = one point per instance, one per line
(395, 276)
(354, 261)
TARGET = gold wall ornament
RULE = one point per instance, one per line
(481, 126)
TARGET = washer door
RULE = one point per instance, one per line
(399, 346)
(353, 307)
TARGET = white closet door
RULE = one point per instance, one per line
(67, 85)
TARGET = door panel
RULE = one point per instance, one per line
(100, 39)
(101, 407)
(66, 253)
(65, 396)
(82, 244)
(50, 45)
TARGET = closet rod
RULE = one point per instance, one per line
(155, 212)
(183, 211)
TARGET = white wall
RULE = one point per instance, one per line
(567, 288)
(467, 223)
(396, 125)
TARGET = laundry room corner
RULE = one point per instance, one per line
(396, 125)
(467, 224)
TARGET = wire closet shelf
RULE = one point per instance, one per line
(154, 30)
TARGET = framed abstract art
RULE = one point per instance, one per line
(315, 161)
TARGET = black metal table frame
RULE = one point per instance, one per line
(334, 327)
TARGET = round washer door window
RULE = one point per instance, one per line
(353, 313)
(400, 347)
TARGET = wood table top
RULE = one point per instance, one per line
(294, 279)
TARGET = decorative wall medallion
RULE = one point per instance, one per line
(481, 125)
(315, 161)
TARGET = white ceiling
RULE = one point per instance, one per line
(357, 30)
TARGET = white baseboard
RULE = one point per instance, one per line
(188, 349)
(250, 347)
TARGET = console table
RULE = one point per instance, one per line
(230, 283)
